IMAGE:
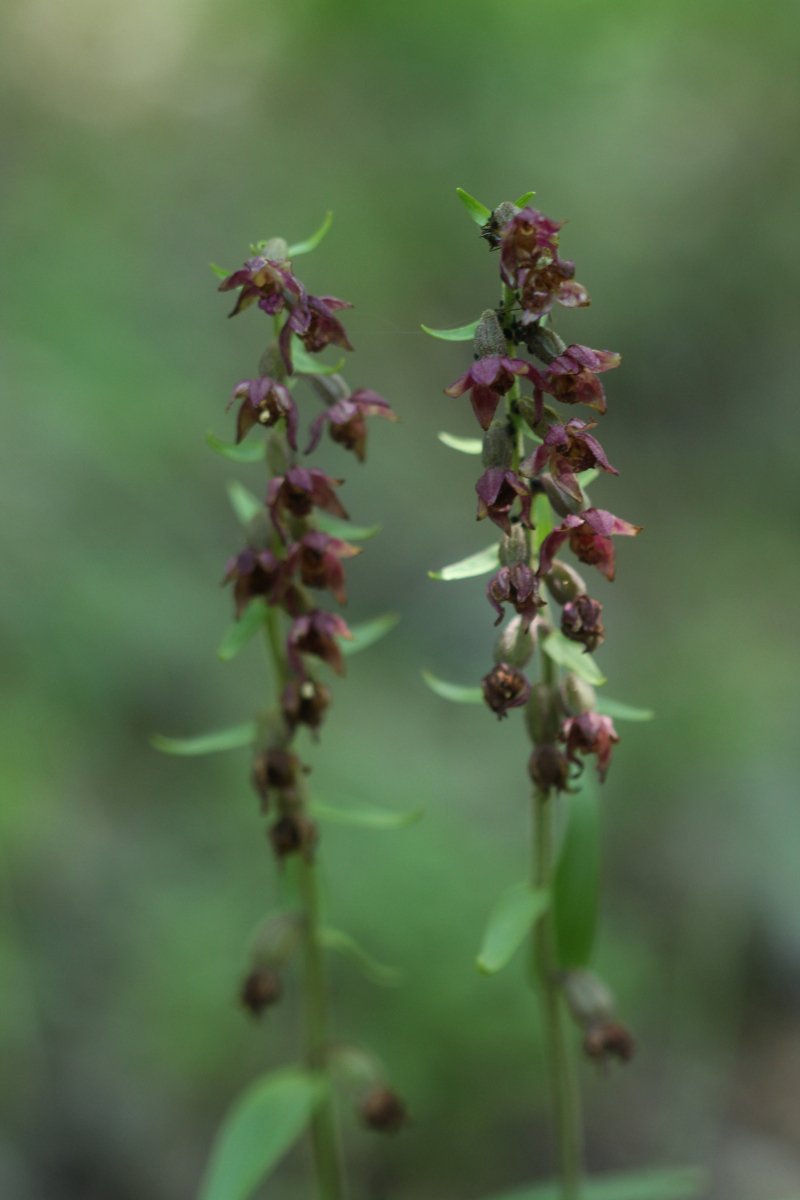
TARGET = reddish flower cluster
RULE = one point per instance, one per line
(508, 399)
(289, 556)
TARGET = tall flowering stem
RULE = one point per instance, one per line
(287, 581)
(538, 460)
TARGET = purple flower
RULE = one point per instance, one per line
(590, 733)
(304, 702)
(266, 280)
(299, 492)
(518, 586)
(548, 767)
(567, 449)
(316, 633)
(505, 687)
(488, 379)
(312, 320)
(529, 263)
(346, 419)
(497, 489)
(264, 402)
(572, 377)
(318, 558)
(258, 573)
(589, 535)
(582, 621)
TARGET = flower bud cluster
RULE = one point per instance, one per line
(507, 392)
(291, 559)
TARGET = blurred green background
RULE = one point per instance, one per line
(140, 142)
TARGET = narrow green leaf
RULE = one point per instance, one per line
(463, 333)
(667, 1183)
(306, 364)
(220, 272)
(365, 817)
(241, 631)
(261, 1126)
(246, 506)
(336, 527)
(476, 564)
(524, 199)
(312, 242)
(586, 477)
(577, 879)
(343, 943)
(479, 212)
(570, 655)
(542, 518)
(623, 712)
(207, 743)
(510, 922)
(458, 693)
(368, 632)
(245, 452)
(465, 445)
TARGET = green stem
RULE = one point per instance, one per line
(325, 1139)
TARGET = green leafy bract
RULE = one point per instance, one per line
(542, 519)
(570, 655)
(243, 452)
(368, 632)
(464, 444)
(365, 817)
(312, 242)
(524, 199)
(207, 743)
(336, 527)
(475, 564)
(479, 212)
(220, 272)
(343, 943)
(246, 506)
(510, 922)
(261, 1126)
(462, 333)
(457, 692)
(239, 634)
(577, 880)
(623, 712)
(306, 364)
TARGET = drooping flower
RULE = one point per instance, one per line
(498, 488)
(527, 238)
(517, 585)
(582, 621)
(263, 402)
(276, 771)
(299, 492)
(293, 833)
(572, 377)
(318, 559)
(609, 1039)
(488, 379)
(346, 421)
(304, 702)
(548, 767)
(589, 535)
(312, 320)
(505, 687)
(258, 573)
(266, 280)
(590, 733)
(316, 633)
(566, 450)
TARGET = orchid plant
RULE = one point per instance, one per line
(296, 541)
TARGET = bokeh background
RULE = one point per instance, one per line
(140, 142)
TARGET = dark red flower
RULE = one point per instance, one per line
(590, 733)
(609, 1039)
(518, 586)
(257, 573)
(505, 687)
(589, 535)
(498, 489)
(263, 402)
(266, 280)
(548, 767)
(260, 989)
(548, 283)
(318, 559)
(312, 320)
(572, 377)
(276, 771)
(304, 702)
(316, 633)
(582, 621)
(346, 419)
(299, 492)
(293, 833)
(566, 450)
(383, 1110)
(525, 240)
(488, 379)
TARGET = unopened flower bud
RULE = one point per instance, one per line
(563, 582)
(498, 444)
(260, 989)
(489, 337)
(515, 643)
(609, 1039)
(275, 249)
(582, 621)
(505, 687)
(588, 998)
(577, 695)
(563, 503)
(548, 767)
(383, 1110)
(514, 547)
(293, 833)
(544, 342)
(491, 230)
(543, 715)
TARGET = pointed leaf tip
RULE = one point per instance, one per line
(343, 943)
(246, 506)
(241, 631)
(366, 633)
(312, 242)
(243, 452)
(207, 743)
(365, 817)
(470, 567)
(510, 922)
(462, 444)
(457, 693)
(479, 212)
(462, 333)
